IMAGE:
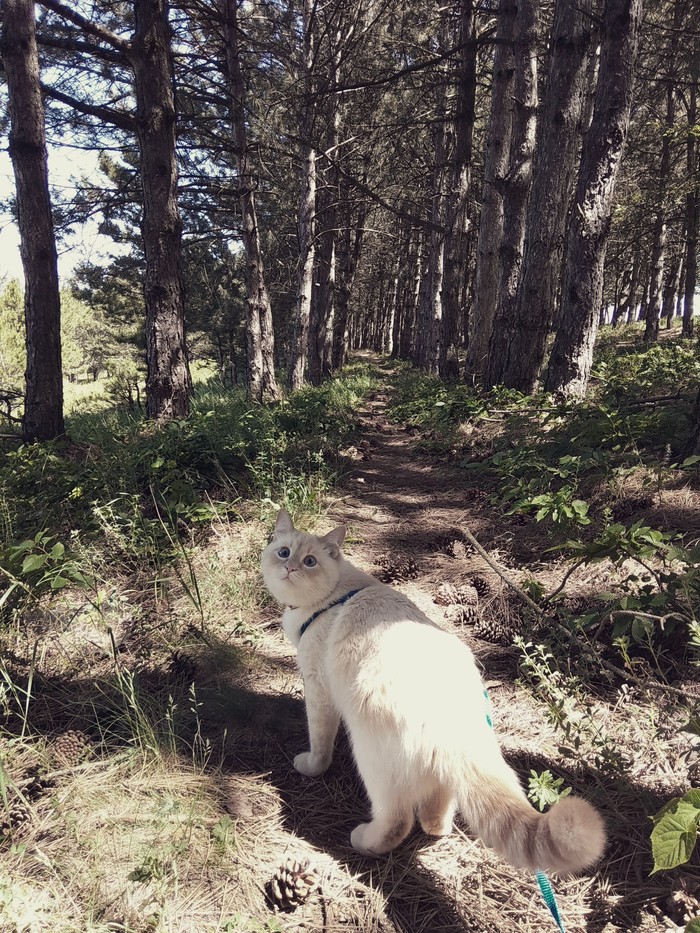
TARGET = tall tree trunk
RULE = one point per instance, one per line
(349, 250)
(524, 334)
(323, 293)
(628, 305)
(43, 401)
(495, 169)
(658, 247)
(572, 354)
(261, 381)
(670, 289)
(692, 207)
(457, 200)
(408, 331)
(307, 212)
(428, 336)
(323, 296)
(168, 382)
(516, 188)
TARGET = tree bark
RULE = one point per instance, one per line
(495, 168)
(517, 187)
(629, 304)
(43, 402)
(692, 209)
(261, 381)
(670, 289)
(457, 200)
(658, 248)
(349, 250)
(168, 383)
(525, 332)
(428, 335)
(408, 331)
(323, 294)
(572, 354)
(307, 213)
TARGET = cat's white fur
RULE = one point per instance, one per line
(413, 703)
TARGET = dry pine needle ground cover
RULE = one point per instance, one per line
(147, 778)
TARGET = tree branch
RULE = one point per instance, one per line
(76, 45)
(93, 29)
(122, 120)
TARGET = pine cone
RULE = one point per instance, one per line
(481, 585)
(33, 785)
(452, 546)
(72, 747)
(397, 571)
(411, 569)
(17, 816)
(477, 495)
(446, 595)
(497, 631)
(449, 595)
(291, 884)
(464, 615)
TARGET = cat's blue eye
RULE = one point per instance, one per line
(309, 561)
(283, 553)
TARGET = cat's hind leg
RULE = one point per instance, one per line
(436, 811)
(388, 828)
(392, 809)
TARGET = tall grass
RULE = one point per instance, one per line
(120, 477)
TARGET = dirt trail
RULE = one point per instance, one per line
(405, 511)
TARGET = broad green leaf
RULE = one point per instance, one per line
(59, 582)
(642, 629)
(33, 562)
(693, 926)
(57, 550)
(675, 833)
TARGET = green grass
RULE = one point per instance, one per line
(121, 471)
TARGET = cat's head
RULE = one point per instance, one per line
(301, 569)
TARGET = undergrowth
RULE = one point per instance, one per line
(580, 468)
(141, 489)
(585, 471)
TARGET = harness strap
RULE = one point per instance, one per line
(338, 602)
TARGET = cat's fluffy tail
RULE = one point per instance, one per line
(569, 838)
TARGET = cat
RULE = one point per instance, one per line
(413, 703)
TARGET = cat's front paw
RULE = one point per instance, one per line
(310, 765)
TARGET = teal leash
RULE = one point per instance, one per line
(549, 898)
(542, 879)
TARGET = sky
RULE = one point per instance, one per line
(85, 243)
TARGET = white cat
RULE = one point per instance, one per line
(413, 703)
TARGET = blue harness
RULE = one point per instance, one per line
(338, 602)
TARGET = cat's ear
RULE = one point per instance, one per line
(333, 540)
(283, 523)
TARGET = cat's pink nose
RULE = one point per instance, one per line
(290, 570)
